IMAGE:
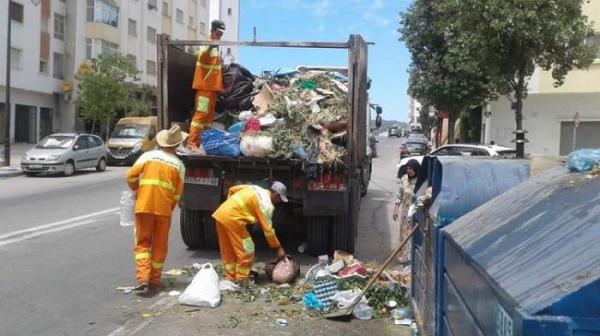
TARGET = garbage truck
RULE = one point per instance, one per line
(324, 208)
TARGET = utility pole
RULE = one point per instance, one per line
(7, 94)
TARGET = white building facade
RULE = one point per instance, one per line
(51, 41)
(228, 11)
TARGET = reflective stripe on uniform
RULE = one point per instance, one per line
(264, 203)
(243, 271)
(157, 182)
(196, 124)
(214, 52)
(142, 255)
(248, 245)
(229, 266)
(177, 197)
(243, 208)
(157, 265)
(208, 66)
(270, 233)
(132, 179)
(202, 104)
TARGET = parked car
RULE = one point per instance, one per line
(460, 149)
(131, 137)
(394, 131)
(65, 153)
(413, 148)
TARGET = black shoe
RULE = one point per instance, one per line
(140, 287)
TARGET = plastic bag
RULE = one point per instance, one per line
(220, 143)
(311, 301)
(204, 289)
(258, 146)
(237, 128)
(127, 208)
(344, 299)
(583, 160)
(272, 265)
(285, 271)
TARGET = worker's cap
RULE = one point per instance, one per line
(280, 188)
(217, 25)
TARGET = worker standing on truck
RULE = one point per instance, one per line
(208, 82)
(246, 204)
(404, 199)
(157, 178)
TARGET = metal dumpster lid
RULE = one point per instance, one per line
(539, 241)
(461, 184)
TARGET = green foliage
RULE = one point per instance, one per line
(106, 88)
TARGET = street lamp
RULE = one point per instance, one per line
(7, 87)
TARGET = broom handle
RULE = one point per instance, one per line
(385, 264)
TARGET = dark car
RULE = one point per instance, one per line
(413, 148)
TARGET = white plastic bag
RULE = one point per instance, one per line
(204, 289)
(127, 208)
(257, 146)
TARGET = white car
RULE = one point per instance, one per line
(461, 150)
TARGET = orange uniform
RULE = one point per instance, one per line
(157, 176)
(245, 204)
(208, 82)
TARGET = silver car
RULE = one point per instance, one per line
(65, 153)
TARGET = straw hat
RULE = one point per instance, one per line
(171, 137)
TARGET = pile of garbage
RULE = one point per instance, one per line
(301, 115)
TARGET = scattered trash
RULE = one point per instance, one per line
(344, 299)
(281, 322)
(125, 289)
(282, 271)
(414, 330)
(356, 269)
(391, 304)
(404, 322)
(401, 313)
(346, 257)
(174, 272)
(204, 289)
(311, 274)
(257, 146)
(216, 142)
(283, 301)
(583, 160)
(174, 293)
(284, 285)
(311, 301)
(335, 267)
(147, 315)
(324, 289)
(127, 208)
(192, 310)
(226, 285)
(363, 311)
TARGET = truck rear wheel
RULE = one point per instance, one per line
(191, 223)
(210, 231)
(318, 234)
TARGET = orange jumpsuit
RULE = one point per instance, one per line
(245, 204)
(157, 176)
(208, 82)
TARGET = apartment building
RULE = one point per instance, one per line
(51, 39)
(549, 113)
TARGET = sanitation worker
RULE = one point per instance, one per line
(157, 178)
(208, 82)
(246, 204)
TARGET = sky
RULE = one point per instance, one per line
(331, 21)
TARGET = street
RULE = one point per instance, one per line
(65, 254)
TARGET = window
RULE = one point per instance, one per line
(82, 142)
(132, 27)
(15, 58)
(16, 11)
(152, 4)
(229, 11)
(57, 66)
(165, 8)
(202, 27)
(191, 23)
(179, 17)
(95, 47)
(59, 27)
(151, 35)
(151, 68)
(102, 11)
(132, 58)
(594, 41)
(203, 3)
(228, 51)
(44, 67)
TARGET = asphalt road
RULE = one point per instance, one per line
(64, 252)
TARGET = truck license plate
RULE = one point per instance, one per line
(210, 181)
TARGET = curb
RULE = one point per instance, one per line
(10, 173)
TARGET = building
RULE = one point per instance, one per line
(549, 112)
(414, 111)
(51, 41)
(227, 11)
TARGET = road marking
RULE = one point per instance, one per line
(134, 325)
(20, 235)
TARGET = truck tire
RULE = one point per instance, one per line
(344, 228)
(191, 223)
(318, 234)
(210, 231)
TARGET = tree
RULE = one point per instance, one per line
(441, 75)
(140, 104)
(509, 38)
(105, 88)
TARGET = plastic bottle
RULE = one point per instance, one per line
(363, 311)
(414, 331)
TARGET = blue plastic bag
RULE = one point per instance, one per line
(583, 160)
(311, 301)
(237, 128)
(220, 143)
(298, 152)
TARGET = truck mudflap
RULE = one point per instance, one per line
(202, 189)
(326, 196)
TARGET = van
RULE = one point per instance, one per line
(131, 137)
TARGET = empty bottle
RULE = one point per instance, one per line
(363, 311)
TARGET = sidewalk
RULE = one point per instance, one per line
(16, 153)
